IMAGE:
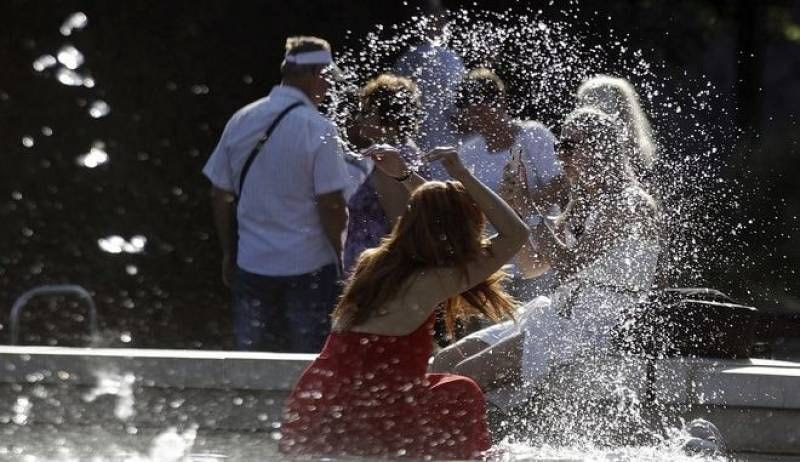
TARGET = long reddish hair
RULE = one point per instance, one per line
(442, 227)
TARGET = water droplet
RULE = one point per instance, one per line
(117, 244)
(200, 89)
(44, 62)
(99, 109)
(75, 21)
(70, 78)
(95, 157)
(70, 57)
(22, 408)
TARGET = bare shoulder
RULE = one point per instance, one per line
(405, 312)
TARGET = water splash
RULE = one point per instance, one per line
(172, 446)
(96, 156)
(70, 57)
(543, 60)
(71, 78)
(44, 62)
(119, 385)
(117, 244)
(22, 410)
(99, 109)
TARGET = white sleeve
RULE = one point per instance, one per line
(218, 169)
(330, 170)
(358, 171)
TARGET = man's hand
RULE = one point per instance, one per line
(332, 209)
(223, 207)
(450, 160)
(227, 269)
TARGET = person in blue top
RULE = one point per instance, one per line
(283, 161)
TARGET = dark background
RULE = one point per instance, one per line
(150, 60)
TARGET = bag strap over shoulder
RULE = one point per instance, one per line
(251, 157)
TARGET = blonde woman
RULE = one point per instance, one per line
(616, 97)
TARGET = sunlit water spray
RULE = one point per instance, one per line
(118, 385)
(543, 61)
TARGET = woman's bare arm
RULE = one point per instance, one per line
(392, 195)
(444, 283)
(389, 169)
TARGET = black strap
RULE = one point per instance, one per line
(260, 143)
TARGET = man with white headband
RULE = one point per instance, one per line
(279, 181)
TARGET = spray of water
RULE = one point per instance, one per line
(119, 385)
(590, 410)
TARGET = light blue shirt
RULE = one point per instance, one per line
(280, 232)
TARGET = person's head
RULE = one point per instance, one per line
(442, 227)
(481, 97)
(306, 65)
(390, 109)
(592, 148)
(617, 97)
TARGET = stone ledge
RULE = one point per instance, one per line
(153, 368)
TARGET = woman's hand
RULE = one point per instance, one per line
(227, 269)
(387, 159)
(448, 155)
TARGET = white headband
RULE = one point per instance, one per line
(322, 57)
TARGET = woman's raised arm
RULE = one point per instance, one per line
(512, 232)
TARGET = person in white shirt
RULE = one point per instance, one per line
(514, 158)
(438, 72)
(279, 184)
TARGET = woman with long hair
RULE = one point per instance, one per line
(368, 392)
(616, 97)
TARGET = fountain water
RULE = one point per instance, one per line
(544, 60)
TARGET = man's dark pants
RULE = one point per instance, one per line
(284, 313)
